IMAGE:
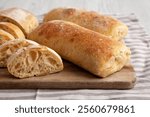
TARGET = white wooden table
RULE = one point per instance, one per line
(141, 9)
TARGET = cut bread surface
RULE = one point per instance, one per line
(34, 61)
(8, 48)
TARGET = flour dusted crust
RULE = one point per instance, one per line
(34, 61)
(10, 47)
(5, 36)
(25, 20)
(88, 49)
(94, 21)
(12, 29)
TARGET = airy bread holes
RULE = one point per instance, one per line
(17, 66)
(52, 61)
(33, 55)
(4, 49)
(27, 61)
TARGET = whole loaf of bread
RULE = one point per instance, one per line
(88, 49)
(94, 21)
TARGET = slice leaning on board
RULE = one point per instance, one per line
(25, 58)
(34, 61)
(10, 47)
(87, 39)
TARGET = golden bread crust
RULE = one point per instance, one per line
(92, 20)
(88, 49)
(25, 20)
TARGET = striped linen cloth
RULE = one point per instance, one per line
(137, 40)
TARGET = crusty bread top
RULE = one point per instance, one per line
(101, 23)
(72, 13)
(12, 29)
(24, 19)
(57, 27)
(93, 43)
(86, 48)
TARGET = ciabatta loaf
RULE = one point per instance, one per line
(90, 50)
(5, 36)
(100, 23)
(12, 29)
(24, 19)
(10, 47)
(34, 61)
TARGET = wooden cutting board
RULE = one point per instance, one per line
(72, 77)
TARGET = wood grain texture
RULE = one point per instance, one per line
(72, 77)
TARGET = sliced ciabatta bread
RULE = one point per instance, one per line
(12, 29)
(5, 36)
(34, 61)
(9, 47)
(24, 19)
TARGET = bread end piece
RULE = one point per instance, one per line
(24, 19)
(34, 61)
(117, 61)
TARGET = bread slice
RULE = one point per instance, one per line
(12, 46)
(12, 29)
(34, 61)
(25, 20)
(5, 36)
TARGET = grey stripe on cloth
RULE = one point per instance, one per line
(139, 42)
(17, 94)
